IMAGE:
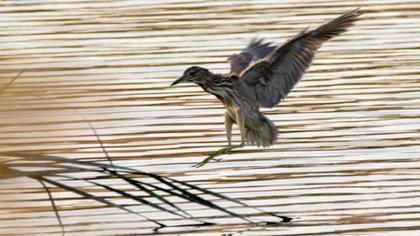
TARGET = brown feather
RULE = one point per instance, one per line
(286, 65)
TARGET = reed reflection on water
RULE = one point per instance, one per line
(96, 82)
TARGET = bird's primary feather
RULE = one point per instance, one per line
(272, 78)
(256, 50)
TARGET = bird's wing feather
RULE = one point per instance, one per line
(256, 49)
(271, 79)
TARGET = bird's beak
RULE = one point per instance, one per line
(182, 79)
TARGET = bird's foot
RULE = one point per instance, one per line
(213, 155)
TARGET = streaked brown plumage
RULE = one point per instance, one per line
(261, 76)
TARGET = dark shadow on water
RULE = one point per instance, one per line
(152, 190)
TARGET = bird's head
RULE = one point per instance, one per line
(194, 74)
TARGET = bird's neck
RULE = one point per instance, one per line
(220, 86)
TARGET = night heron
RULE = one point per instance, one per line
(261, 76)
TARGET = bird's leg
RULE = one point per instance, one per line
(228, 150)
(240, 120)
(225, 150)
(228, 127)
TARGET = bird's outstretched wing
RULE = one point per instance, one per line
(256, 49)
(271, 79)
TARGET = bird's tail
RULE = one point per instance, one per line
(263, 134)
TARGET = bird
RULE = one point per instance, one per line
(262, 75)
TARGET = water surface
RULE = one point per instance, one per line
(347, 158)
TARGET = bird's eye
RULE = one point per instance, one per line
(190, 73)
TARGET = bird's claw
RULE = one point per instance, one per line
(222, 151)
(212, 156)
